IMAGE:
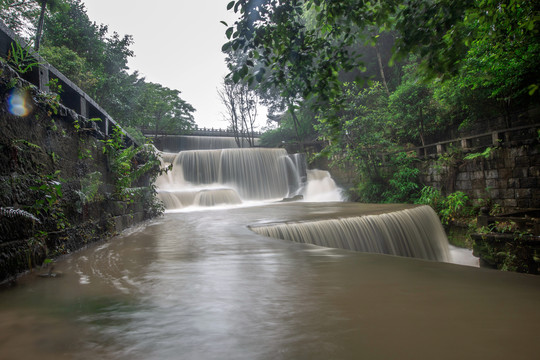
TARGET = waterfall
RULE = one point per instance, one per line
(415, 232)
(321, 187)
(230, 177)
(234, 176)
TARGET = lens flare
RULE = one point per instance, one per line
(19, 103)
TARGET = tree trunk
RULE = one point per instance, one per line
(421, 130)
(156, 129)
(381, 69)
(40, 24)
(295, 121)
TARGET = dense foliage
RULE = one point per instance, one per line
(384, 76)
(97, 62)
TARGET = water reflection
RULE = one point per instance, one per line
(203, 286)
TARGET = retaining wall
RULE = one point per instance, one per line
(507, 175)
(49, 157)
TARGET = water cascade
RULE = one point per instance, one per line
(415, 232)
(235, 176)
(231, 176)
(321, 187)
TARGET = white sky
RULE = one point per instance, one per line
(177, 43)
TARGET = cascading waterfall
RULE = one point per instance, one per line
(415, 232)
(231, 176)
(321, 187)
(253, 176)
(258, 174)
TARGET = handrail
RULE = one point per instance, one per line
(72, 96)
(497, 137)
(200, 132)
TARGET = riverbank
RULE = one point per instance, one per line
(63, 182)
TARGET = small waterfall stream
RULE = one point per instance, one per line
(415, 232)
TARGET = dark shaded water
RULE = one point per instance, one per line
(201, 285)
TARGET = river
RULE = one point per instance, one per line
(202, 285)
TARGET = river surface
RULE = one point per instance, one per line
(202, 285)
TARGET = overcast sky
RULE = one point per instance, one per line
(177, 44)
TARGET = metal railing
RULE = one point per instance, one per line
(198, 132)
(71, 97)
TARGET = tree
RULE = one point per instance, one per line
(75, 67)
(18, 15)
(413, 109)
(310, 58)
(162, 109)
(53, 5)
(95, 60)
(241, 103)
(291, 130)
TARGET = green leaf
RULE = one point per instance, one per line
(236, 77)
(229, 32)
(230, 5)
(244, 71)
(226, 47)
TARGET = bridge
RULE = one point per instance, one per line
(199, 139)
(198, 132)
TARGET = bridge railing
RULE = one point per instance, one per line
(71, 97)
(200, 132)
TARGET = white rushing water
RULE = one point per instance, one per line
(414, 232)
(238, 176)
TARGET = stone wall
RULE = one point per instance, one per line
(507, 176)
(57, 189)
(505, 170)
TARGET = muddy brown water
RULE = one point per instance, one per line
(202, 285)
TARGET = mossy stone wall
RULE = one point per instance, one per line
(52, 150)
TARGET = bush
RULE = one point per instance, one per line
(455, 205)
(403, 184)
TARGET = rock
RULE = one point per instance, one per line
(294, 198)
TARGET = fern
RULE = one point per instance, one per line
(13, 213)
(26, 143)
(485, 154)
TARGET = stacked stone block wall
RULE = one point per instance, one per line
(508, 176)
